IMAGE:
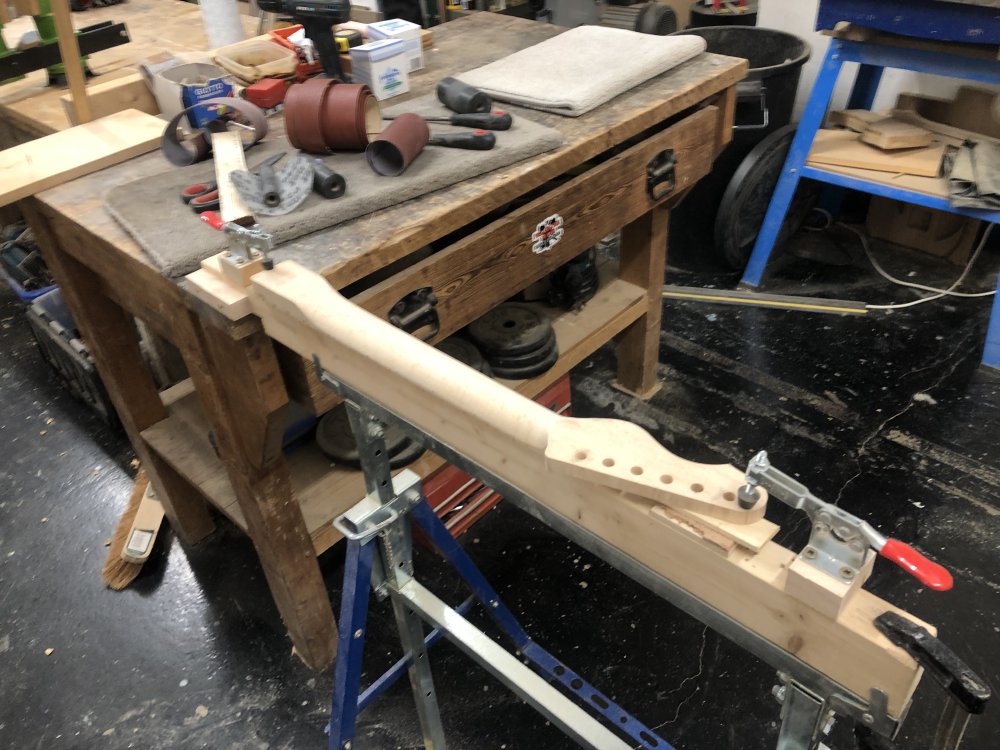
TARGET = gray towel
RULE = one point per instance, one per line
(177, 242)
(974, 178)
(582, 68)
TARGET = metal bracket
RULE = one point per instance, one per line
(415, 311)
(660, 175)
(370, 517)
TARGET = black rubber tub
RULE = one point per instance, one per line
(765, 100)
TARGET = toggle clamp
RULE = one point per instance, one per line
(840, 543)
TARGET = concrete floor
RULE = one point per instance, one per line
(887, 414)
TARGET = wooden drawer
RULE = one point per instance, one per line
(487, 267)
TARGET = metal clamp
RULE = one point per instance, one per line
(369, 518)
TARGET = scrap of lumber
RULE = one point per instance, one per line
(857, 120)
(108, 97)
(842, 148)
(46, 162)
(517, 440)
(890, 134)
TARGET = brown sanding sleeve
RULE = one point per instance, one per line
(323, 115)
(395, 148)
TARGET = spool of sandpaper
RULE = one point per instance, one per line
(398, 145)
(461, 97)
(326, 182)
(323, 115)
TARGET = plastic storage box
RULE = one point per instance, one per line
(60, 345)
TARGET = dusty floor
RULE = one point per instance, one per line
(887, 414)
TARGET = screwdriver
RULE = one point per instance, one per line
(476, 140)
(496, 120)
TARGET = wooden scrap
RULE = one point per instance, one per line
(107, 98)
(857, 120)
(843, 148)
(889, 134)
(46, 162)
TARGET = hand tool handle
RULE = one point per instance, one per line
(476, 140)
(212, 219)
(926, 571)
(486, 120)
(326, 182)
(461, 97)
(269, 185)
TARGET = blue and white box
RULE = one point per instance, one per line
(382, 65)
(408, 33)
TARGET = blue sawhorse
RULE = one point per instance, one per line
(873, 59)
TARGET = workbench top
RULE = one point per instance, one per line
(352, 250)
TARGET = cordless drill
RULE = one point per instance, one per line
(317, 18)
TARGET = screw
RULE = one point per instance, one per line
(778, 691)
(358, 633)
(846, 573)
(809, 553)
(868, 719)
(857, 545)
(494, 603)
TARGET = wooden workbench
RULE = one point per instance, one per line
(239, 384)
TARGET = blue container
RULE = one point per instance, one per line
(26, 296)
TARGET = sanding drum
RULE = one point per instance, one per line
(395, 148)
(324, 115)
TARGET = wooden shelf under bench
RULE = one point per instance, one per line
(324, 489)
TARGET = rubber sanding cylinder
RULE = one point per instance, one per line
(398, 145)
(323, 115)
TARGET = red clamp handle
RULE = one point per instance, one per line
(212, 219)
(927, 572)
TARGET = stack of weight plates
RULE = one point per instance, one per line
(517, 341)
(465, 352)
(335, 438)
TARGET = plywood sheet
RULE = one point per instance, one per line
(843, 148)
(46, 162)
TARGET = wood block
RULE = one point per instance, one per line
(892, 134)
(109, 97)
(857, 120)
(843, 148)
(46, 162)
(824, 593)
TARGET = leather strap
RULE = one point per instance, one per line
(323, 115)
(197, 148)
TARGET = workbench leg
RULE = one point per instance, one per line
(113, 341)
(241, 390)
(643, 261)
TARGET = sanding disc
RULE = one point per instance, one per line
(510, 329)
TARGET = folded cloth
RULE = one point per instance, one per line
(974, 177)
(177, 242)
(582, 68)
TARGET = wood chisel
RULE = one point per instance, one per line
(495, 120)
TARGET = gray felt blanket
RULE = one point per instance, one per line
(582, 68)
(177, 242)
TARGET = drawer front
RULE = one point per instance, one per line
(487, 267)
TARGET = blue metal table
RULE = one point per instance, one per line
(927, 19)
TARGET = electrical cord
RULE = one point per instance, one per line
(936, 293)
